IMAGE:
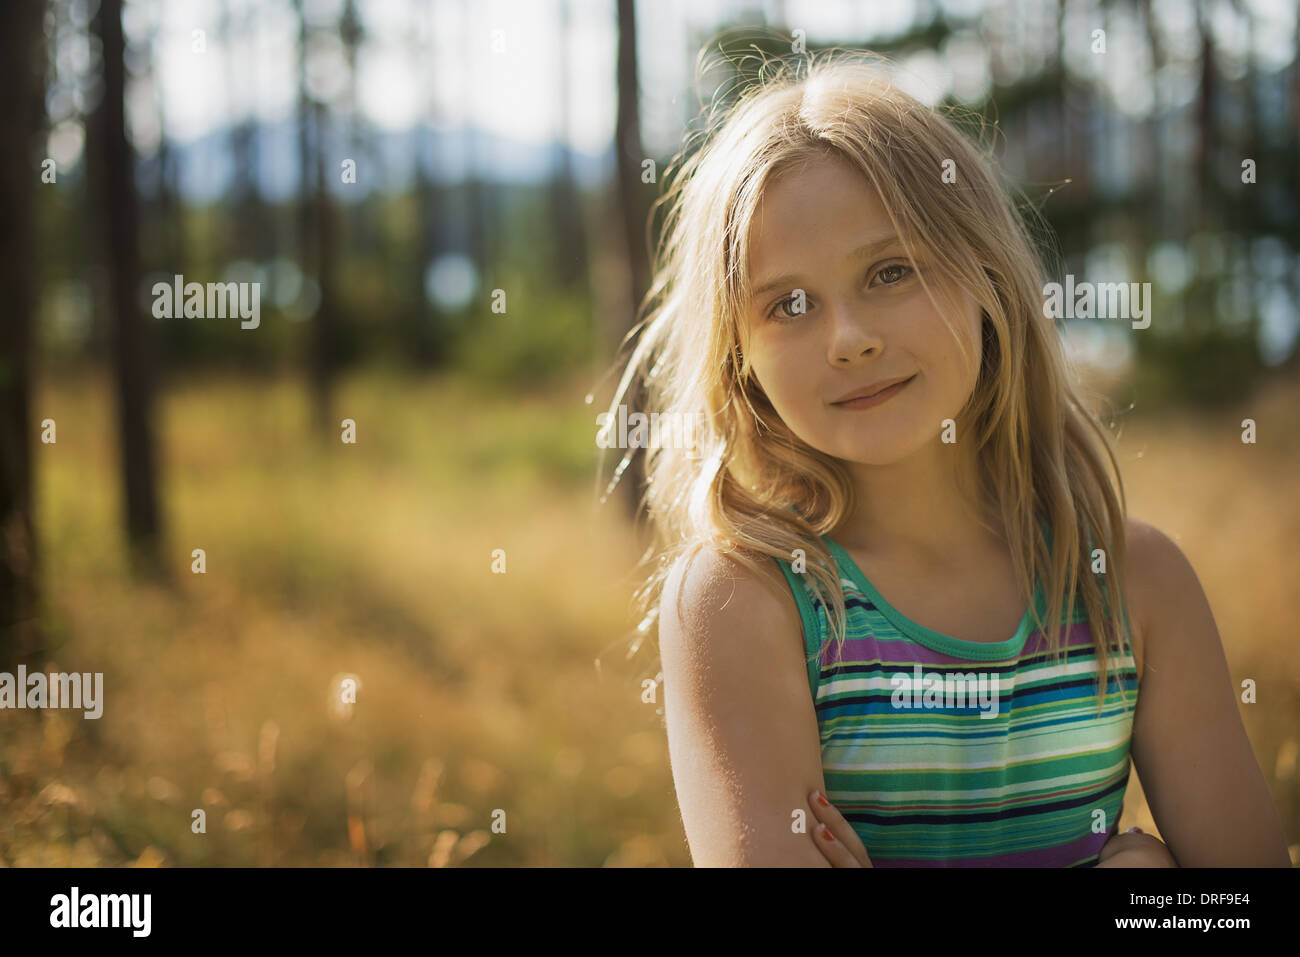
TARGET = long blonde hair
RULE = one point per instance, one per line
(750, 486)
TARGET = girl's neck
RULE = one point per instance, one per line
(914, 512)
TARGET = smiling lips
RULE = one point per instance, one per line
(873, 394)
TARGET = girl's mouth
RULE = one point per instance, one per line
(884, 395)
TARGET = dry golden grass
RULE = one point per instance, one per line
(1233, 510)
(478, 691)
(478, 698)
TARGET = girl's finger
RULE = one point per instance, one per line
(833, 850)
(840, 829)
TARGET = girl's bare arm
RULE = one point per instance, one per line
(1206, 791)
(742, 731)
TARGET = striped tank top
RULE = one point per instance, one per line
(942, 752)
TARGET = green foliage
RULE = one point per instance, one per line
(1207, 368)
(536, 340)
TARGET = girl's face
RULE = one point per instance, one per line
(866, 321)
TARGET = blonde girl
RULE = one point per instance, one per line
(903, 616)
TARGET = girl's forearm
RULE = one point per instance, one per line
(1139, 857)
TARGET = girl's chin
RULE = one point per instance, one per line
(871, 446)
(875, 443)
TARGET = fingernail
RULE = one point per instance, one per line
(821, 799)
(1135, 828)
(826, 833)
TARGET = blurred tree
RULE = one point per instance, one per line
(421, 345)
(1206, 131)
(480, 223)
(21, 76)
(1152, 226)
(169, 247)
(418, 332)
(1289, 179)
(629, 156)
(316, 238)
(111, 152)
(568, 243)
(251, 235)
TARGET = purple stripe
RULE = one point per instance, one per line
(872, 649)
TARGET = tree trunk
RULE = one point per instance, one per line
(130, 341)
(313, 243)
(569, 246)
(422, 346)
(628, 158)
(324, 350)
(22, 56)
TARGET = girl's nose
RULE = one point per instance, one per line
(853, 334)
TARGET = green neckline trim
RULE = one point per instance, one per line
(945, 644)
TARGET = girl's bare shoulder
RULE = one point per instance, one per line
(711, 588)
(1158, 578)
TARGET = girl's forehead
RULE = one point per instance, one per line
(829, 229)
(831, 197)
(806, 181)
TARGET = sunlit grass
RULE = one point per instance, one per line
(478, 691)
(371, 559)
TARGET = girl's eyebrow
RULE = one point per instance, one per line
(789, 280)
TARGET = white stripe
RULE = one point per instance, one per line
(973, 753)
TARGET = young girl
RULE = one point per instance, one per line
(893, 568)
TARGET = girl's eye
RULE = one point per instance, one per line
(896, 273)
(894, 269)
(781, 305)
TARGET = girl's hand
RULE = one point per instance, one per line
(835, 837)
(1135, 849)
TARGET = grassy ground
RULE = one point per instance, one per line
(479, 698)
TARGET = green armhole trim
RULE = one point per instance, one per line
(1105, 600)
(811, 625)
